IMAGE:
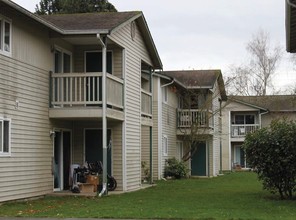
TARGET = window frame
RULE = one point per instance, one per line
(244, 116)
(62, 52)
(2, 130)
(3, 21)
(165, 145)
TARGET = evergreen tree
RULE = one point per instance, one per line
(47, 7)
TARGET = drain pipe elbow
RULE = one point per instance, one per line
(103, 190)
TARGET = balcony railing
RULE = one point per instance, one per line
(85, 89)
(146, 103)
(196, 117)
(238, 131)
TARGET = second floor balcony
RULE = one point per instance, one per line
(241, 130)
(80, 95)
(186, 118)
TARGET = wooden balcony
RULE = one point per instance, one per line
(240, 131)
(197, 117)
(79, 95)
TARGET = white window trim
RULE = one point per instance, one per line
(4, 20)
(165, 147)
(64, 51)
(6, 154)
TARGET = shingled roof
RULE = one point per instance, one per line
(197, 79)
(273, 103)
(90, 21)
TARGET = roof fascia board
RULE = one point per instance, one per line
(162, 76)
(151, 42)
(33, 16)
(125, 23)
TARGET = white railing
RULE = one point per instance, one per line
(198, 117)
(243, 130)
(84, 89)
(146, 103)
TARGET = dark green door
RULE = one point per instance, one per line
(94, 147)
(199, 161)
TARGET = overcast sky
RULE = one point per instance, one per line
(208, 34)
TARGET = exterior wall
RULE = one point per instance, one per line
(145, 148)
(24, 78)
(216, 138)
(267, 118)
(169, 125)
(227, 108)
(156, 130)
(135, 53)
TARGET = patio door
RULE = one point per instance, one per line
(62, 160)
(199, 161)
(239, 156)
(94, 147)
(94, 64)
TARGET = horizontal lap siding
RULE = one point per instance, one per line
(135, 51)
(155, 139)
(27, 172)
(169, 126)
(145, 147)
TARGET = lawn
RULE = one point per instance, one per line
(232, 196)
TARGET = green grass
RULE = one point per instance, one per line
(232, 196)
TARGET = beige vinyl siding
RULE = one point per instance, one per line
(117, 171)
(27, 172)
(216, 136)
(169, 124)
(145, 147)
(155, 140)
(135, 51)
(156, 128)
(30, 44)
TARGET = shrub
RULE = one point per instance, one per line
(175, 168)
(272, 152)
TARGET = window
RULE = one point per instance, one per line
(165, 145)
(244, 119)
(4, 137)
(5, 36)
(62, 61)
(165, 94)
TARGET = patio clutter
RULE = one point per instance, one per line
(86, 179)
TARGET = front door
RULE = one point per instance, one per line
(62, 160)
(94, 147)
(199, 161)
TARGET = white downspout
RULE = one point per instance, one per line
(104, 116)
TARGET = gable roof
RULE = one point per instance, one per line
(273, 103)
(91, 24)
(198, 79)
(290, 25)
